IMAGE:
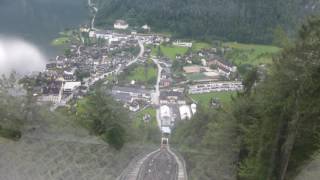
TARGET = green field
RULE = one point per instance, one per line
(138, 118)
(196, 76)
(66, 33)
(205, 98)
(170, 51)
(149, 132)
(140, 74)
(60, 41)
(197, 46)
(250, 53)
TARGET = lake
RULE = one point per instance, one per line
(40, 21)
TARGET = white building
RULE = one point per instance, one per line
(166, 130)
(146, 27)
(203, 62)
(103, 35)
(165, 111)
(172, 97)
(215, 87)
(69, 87)
(134, 106)
(185, 112)
(50, 98)
(84, 29)
(182, 44)
(121, 24)
(165, 115)
(193, 108)
(92, 34)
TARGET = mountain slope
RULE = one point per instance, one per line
(242, 20)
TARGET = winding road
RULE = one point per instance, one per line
(140, 54)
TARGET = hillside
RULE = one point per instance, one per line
(244, 21)
(270, 130)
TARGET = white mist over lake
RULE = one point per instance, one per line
(20, 56)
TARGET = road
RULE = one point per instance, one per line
(157, 86)
(140, 54)
(160, 166)
(157, 93)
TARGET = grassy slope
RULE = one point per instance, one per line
(63, 39)
(148, 131)
(139, 74)
(138, 118)
(197, 46)
(250, 53)
(60, 41)
(170, 51)
(204, 99)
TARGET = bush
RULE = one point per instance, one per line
(115, 137)
(10, 134)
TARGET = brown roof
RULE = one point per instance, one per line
(192, 69)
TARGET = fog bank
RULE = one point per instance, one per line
(20, 56)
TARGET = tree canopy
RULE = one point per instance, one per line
(102, 116)
(239, 20)
(273, 126)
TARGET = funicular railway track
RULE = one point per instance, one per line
(162, 164)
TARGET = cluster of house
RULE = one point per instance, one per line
(208, 66)
(120, 38)
(133, 97)
(70, 76)
(166, 79)
(173, 104)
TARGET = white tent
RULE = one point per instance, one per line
(185, 112)
(193, 108)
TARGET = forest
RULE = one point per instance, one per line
(271, 129)
(236, 20)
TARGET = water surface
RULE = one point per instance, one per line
(40, 21)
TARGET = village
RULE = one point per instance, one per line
(114, 56)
